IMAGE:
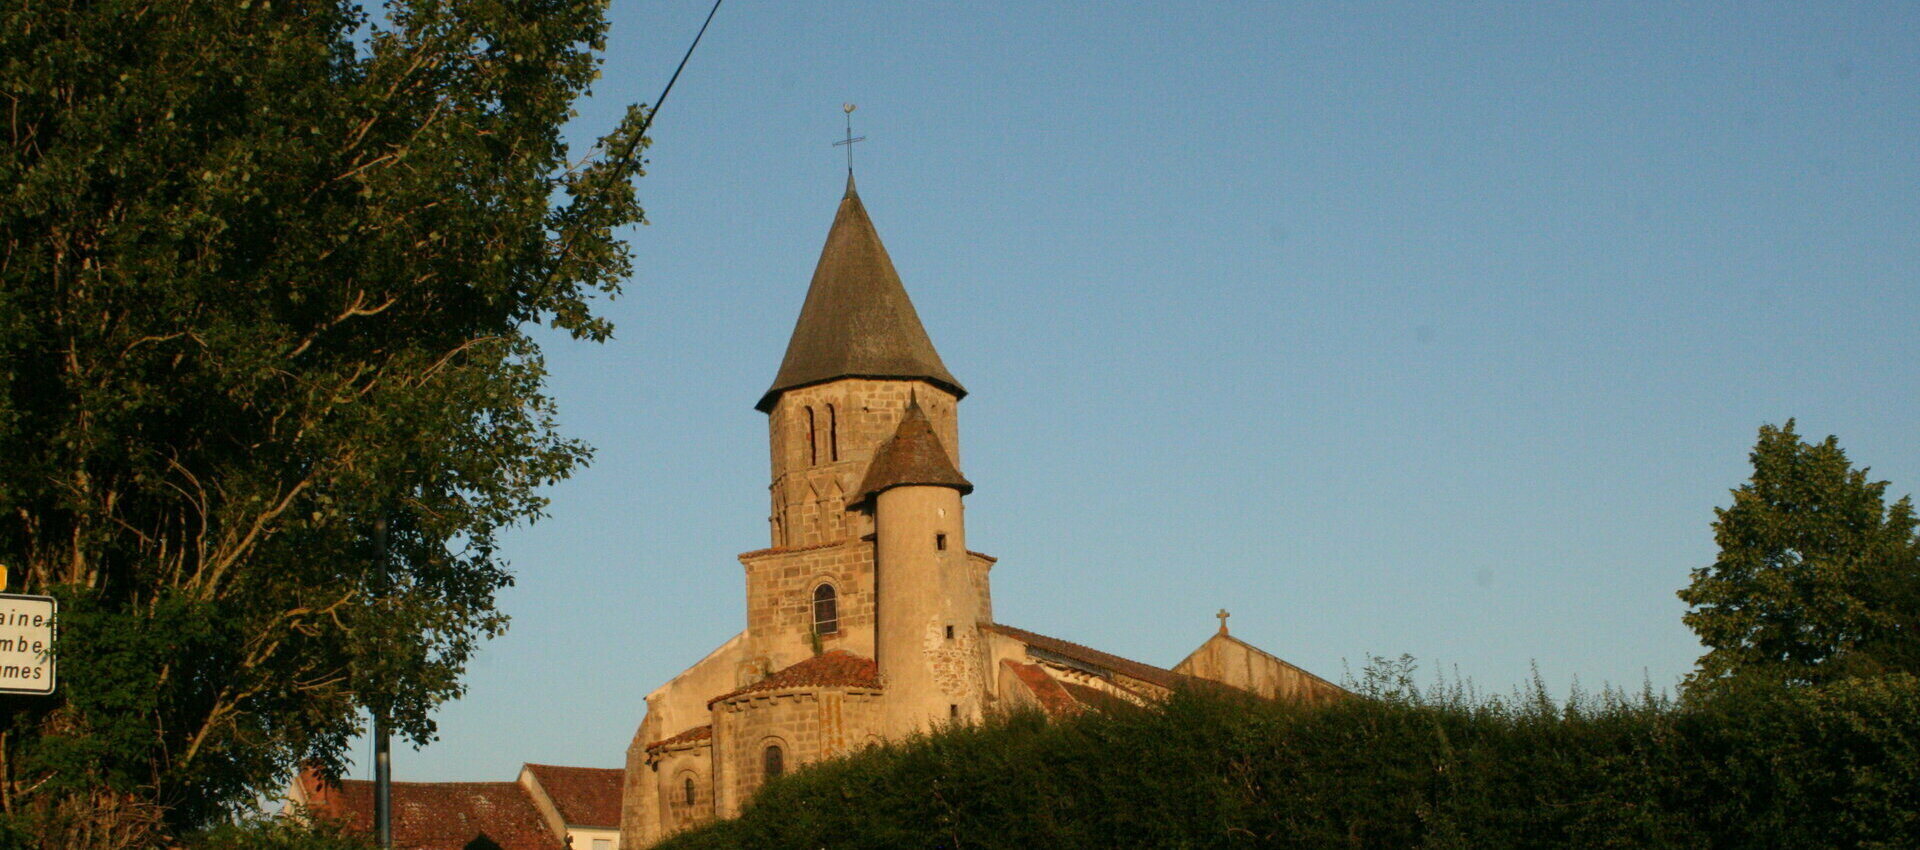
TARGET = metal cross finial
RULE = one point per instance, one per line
(850, 139)
(1223, 615)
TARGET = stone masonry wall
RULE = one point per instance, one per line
(639, 800)
(780, 586)
(979, 572)
(808, 725)
(814, 478)
(1226, 659)
(672, 770)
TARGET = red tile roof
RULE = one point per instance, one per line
(1090, 697)
(835, 669)
(1123, 666)
(1047, 691)
(440, 815)
(913, 455)
(585, 796)
(697, 733)
(786, 549)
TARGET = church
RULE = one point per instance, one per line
(867, 617)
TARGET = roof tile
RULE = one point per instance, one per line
(913, 455)
(441, 815)
(1126, 667)
(835, 669)
(585, 796)
(1047, 691)
(1087, 696)
(697, 733)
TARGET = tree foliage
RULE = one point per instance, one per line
(1833, 765)
(292, 831)
(1817, 578)
(266, 273)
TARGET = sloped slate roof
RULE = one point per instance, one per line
(857, 321)
(442, 815)
(836, 669)
(913, 455)
(585, 796)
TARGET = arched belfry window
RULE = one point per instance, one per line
(773, 762)
(826, 610)
(833, 434)
(813, 440)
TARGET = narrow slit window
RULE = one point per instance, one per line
(687, 788)
(773, 761)
(833, 433)
(940, 542)
(826, 610)
(813, 440)
(953, 711)
(949, 633)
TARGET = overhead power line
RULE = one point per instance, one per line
(657, 103)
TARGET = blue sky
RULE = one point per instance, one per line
(1392, 328)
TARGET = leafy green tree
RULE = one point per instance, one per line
(281, 832)
(267, 270)
(1817, 579)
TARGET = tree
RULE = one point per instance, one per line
(267, 270)
(291, 831)
(1817, 579)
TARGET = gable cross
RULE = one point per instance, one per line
(1223, 620)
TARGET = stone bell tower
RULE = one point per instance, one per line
(858, 350)
(864, 436)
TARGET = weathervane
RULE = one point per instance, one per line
(850, 139)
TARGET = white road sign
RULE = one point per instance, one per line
(26, 643)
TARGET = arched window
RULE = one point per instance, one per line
(833, 434)
(687, 789)
(773, 762)
(826, 610)
(813, 441)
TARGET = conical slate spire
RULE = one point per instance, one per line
(857, 321)
(913, 455)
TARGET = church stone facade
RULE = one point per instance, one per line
(868, 618)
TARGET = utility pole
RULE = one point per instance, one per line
(382, 783)
(382, 745)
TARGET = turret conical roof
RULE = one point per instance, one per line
(857, 321)
(914, 455)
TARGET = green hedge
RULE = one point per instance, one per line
(1834, 766)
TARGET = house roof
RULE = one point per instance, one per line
(1087, 655)
(697, 733)
(913, 455)
(857, 321)
(585, 796)
(1087, 696)
(835, 669)
(439, 815)
(1047, 691)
